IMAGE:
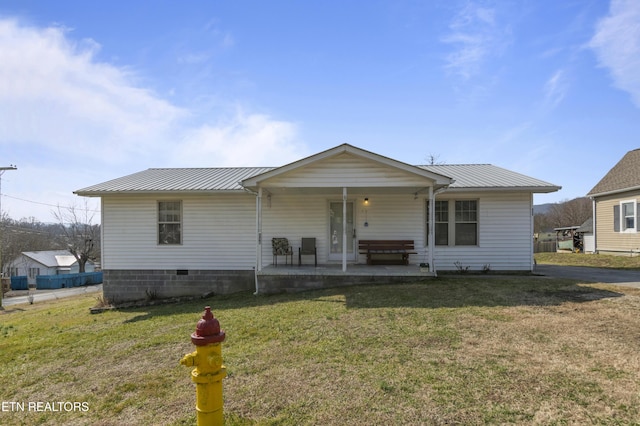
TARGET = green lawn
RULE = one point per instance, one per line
(593, 260)
(453, 350)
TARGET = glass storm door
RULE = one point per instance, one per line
(336, 223)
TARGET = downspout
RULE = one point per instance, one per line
(594, 223)
(430, 234)
(258, 265)
(532, 261)
(432, 218)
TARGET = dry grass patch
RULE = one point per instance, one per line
(514, 350)
(592, 260)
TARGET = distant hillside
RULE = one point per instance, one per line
(542, 208)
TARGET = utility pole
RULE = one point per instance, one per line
(2, 170)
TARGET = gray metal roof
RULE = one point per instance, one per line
(467, 176)
(177, 180)
(488, 176)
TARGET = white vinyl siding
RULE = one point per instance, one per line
(218, 233)
(504, 235)
(393, 217)
(347, 169)
(294, 217)
(504, 227)
(219, 230)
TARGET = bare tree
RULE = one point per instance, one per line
(81, 236)
(570, 213)
(24, 235)
(434, 160)
(541, 223)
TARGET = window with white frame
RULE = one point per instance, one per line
(455, 221)
(441, 228)
(466, 228)
(34, 272)
(169, 222)
(628, 218)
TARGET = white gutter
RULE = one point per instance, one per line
(593, 224)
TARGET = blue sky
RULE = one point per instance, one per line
(91, 91)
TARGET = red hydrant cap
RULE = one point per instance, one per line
(207, 330)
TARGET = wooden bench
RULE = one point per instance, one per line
(388, 248)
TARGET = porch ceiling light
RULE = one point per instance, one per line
(366, 201)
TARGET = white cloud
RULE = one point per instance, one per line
(244, 140)
(227, 41)
(69, 121)
(616, 43)
(515, 133)
(56, 96)
(555, 89)
(475, 35)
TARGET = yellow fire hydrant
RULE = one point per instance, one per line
(209, 371)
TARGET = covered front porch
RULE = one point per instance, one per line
(340, 197)
(276, 279)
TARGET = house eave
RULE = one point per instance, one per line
(612, 192)
(255, 181)
(528, 189)
(160, 192)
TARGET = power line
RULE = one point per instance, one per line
(45, 204)
(21, 229)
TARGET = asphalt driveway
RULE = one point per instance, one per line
(42, 295)
(597, 275)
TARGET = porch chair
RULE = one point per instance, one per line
(281, 247)
(308, 248)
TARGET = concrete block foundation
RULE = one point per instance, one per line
(132, 285)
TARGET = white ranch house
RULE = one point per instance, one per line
(173, 232)
(45, 262)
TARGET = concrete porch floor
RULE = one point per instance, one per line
(352, 269)
(275, 279)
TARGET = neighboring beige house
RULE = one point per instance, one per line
(173, 232)
(616, 208)
(45, 262)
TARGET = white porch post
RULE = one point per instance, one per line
(430, 236)
(344, 229)
(259, 230)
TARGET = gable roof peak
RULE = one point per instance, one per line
(624, 176)
(345, 148)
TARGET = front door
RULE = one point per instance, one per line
(336, 223)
